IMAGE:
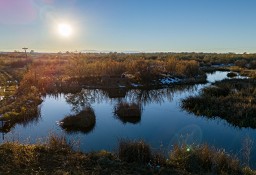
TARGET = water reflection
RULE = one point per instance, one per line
(84, 98)
(127, 103)
(140, 96)
(128, 112)
(116, 92)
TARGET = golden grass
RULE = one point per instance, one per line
(57, 156)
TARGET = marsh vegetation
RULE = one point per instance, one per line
(84, 121)
(233, 100)
(121, 86)
(57, 156)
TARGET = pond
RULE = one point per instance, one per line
(162, 122)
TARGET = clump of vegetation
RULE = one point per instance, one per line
(128, 112)
(232, 74)
(134, 151)
(140, 152)
(216, 91)
(233, 100)
(204, 160)
(51, 157)
(84, 121)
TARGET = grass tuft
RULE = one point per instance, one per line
(134, 151)
(204, 159)
(84, 121)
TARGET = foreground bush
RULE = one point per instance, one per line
(134, 151)
(203, 159)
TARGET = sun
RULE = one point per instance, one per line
(64, 29)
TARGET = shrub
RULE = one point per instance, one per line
(55, 142)
(241, 63)
(203, 159)
(231, 74)
(134, 151)
(84, 121)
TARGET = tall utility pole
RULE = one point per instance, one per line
(25, 48)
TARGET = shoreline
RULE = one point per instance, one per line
(57, 156)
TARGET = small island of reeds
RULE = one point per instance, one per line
(84, 121)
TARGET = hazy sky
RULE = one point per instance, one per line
(129, 25)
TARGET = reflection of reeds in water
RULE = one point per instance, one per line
(84, 121)
(128, 112)
(116, 92)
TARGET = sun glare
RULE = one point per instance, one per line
(65, 30)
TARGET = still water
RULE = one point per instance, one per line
(162, 123)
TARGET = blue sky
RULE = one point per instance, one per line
(129, 25)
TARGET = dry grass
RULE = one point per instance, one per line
(134, 151)
(56, 156)
(203, 159)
